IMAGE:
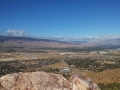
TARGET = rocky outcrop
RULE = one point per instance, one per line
(45, 81)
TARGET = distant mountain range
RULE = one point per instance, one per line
(60, 41)
(84, 39)
(15, 38)
(31, 41)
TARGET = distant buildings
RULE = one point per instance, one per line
(62, 53)
(66, 70)
(103, 52)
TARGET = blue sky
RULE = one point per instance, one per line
(70, 18)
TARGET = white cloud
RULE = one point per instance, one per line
(19, 33)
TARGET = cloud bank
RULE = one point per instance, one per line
(18, 33)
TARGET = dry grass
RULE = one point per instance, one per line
(59, 65)
(28, 56)
(108, 62)
(108, 76)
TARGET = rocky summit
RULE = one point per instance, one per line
(45, 81)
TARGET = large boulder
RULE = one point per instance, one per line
(45, 81)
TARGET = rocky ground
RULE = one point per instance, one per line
(45, 81)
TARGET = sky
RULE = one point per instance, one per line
(67, 18)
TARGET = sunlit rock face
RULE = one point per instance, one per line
(44, 81)
(79, 82)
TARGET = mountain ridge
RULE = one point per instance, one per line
(61, 41)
